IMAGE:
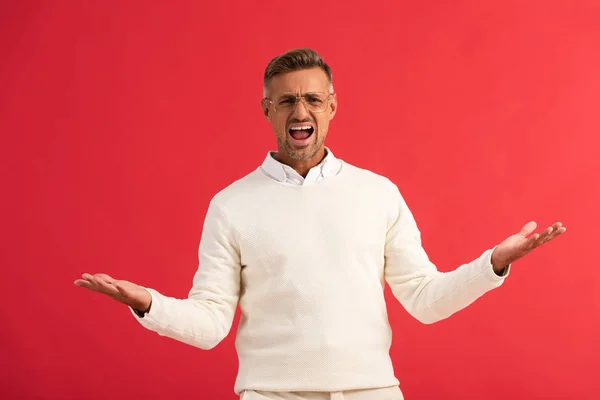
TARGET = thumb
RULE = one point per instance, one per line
(528, 228)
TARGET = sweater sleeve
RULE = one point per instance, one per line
(205, 318)
(426, 293)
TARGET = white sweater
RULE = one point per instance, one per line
(307, 266)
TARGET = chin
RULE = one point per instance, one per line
(301, 154)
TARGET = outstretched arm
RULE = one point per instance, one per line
(203, 319)
(430, 295)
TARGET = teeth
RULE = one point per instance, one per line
(299, 128)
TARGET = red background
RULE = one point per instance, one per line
(120, 120)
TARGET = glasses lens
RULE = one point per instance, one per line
(314, 102)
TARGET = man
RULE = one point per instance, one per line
(304, 245)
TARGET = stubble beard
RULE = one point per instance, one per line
(305, 153)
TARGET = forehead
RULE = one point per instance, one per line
(306, 80)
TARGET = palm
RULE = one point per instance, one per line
(125, 292)
(520, 244)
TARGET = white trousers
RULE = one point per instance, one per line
(388, 393)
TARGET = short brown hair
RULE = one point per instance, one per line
(295, 60)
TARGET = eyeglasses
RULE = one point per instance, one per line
(316, 102)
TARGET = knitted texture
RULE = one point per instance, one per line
(307, 266)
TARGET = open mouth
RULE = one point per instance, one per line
(301, 132)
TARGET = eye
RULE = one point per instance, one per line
(314, 100)
(287, 101)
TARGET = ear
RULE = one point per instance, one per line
(333, 106)
(266, 109)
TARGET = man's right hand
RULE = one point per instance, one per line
(126, 292)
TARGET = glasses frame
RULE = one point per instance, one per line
(300, 98)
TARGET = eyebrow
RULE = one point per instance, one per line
(302, 94)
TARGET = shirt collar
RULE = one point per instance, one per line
(327, 168)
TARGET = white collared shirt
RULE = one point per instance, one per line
(329, 167)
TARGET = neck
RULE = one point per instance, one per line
(301, 166)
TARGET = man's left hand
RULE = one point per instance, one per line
(520, 244)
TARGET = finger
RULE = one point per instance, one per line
(104, 277)
(105, 287)
(551, 236)
(546, 233)
(528, 228)
(92, 284)
(556, 233)
(557, 225)
(554, 230)
(87, 277)
(83, 283)
(544, 237)
(558, 229)
(531, 241)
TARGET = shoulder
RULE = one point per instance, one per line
(239, 189)
(368, 179)
(226, 203)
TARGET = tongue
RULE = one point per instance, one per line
(300, 135)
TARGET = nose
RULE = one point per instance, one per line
(300, 112)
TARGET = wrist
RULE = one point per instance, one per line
(143, 307)
(499, 266)
(499, 270)
(138, 312)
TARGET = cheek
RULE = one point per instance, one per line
(281, 129)
(322, 123)
(278, 125)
